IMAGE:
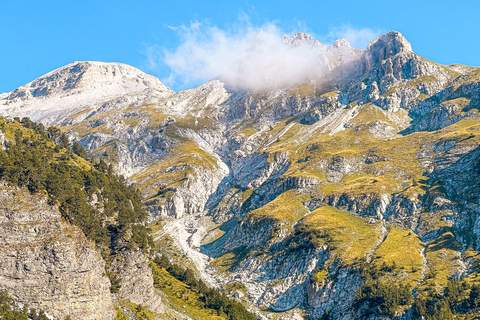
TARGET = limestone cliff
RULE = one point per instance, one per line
(48, 263)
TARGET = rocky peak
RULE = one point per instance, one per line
(77, 86)
(342, 43)
(301, 38)
(78, 76)
(388, 45)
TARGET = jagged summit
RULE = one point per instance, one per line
(301, 38)
(393, 41)
(76, 86)
(388, 45)
(341, 43)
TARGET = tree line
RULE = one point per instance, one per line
(9, 310)
(459, 299)
(88, 193)
(210, 297)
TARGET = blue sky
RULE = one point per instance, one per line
(39, 36)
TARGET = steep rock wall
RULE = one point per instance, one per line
(48, 263)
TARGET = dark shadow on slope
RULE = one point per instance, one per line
(435, 112)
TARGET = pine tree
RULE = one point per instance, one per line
(79, 150)
(474, 297)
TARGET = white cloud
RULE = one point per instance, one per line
(245, 56)
(358, 38)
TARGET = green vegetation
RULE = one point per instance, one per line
(347, 235)
(115, 280)
(9, 310)
(392, 274)
(182, 287)
(401, 248)
(459, 300)
(174, 170)
(303, 89)
(247, 132)
(89, 194)
(400, 171)
(225, 262)
(395, 271)
(139, 311)
(382, 295)
(287, 207)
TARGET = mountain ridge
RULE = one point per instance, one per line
(91, 82)
(307, 194)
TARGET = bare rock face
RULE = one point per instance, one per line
(137, 280)
(47, 263)
(387, 46)
(336, 298)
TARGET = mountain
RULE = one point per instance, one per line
(77, 87)
(351, 195)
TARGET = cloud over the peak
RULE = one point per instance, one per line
(244, 56)
(358, 38)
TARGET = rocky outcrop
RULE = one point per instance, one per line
(47, 263)
(136, 285)
(334, 298)
(392, 76)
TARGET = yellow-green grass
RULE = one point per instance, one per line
(247, 132)
(402, 248)
(331, 94)
(180, 297)
(10, 127)
(303, 89)
(224, 262)
(82, 163)
(184, 156)
(431, 221)
(287, 207)
(194, 123)
(469, 254)
(120, 315)
(319, 276)
(170, 249)
(212, 236)
(247, 194)
(473, 76)
(401, 173)
(390, 91)
(232, 258)
(422, 80)
(411, 83)
(139, 311)
(148, 111)
(443, 256)
(84, 128)
(462, 101)
(351, 238)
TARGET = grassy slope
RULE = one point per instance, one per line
(349, 236)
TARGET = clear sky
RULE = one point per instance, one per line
(39, 36)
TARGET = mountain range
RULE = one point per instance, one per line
(309, 200)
